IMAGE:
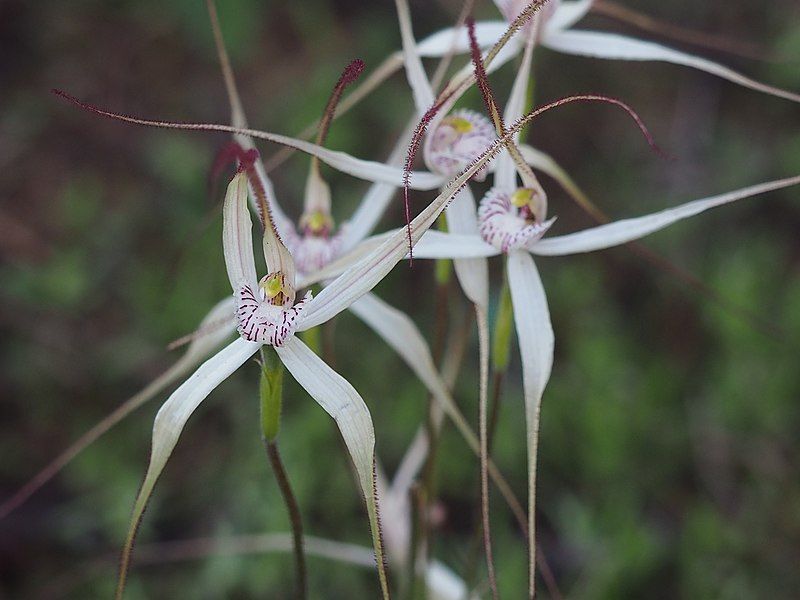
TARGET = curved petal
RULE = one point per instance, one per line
(438, 244)
(367, 170)
(627, 230)
(214, 329)
(444, 584)
(448, 40)
(619, 47)
(536, 342)
(342, 402)
(567, 14)
(237, 235)
(417, 79)
(472, 273)
(169, 424)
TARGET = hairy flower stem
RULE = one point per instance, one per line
(483, 341)
(271, 395)
(425, 492)
(301, 585)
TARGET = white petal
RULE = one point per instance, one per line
(341, 401)
(626, 230)
(172, 417)
(417, 79)
(567, 14)
(472, 273)
(440, 43)
(515, 107)
(363, 169)
(618, 47)
(536, 341)
(276, 256)
(444, 584)
(237, 235)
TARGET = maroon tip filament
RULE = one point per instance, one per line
(413, 148)
(246, 163)
(482, 78)
(351, 72)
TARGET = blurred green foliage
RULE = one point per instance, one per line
(669, 447)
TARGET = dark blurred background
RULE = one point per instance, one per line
(669, 449)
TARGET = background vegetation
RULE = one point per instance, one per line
(669, 450)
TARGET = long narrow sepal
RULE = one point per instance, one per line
(342, 402)
(438, 244)
(482, 319)
(417, 79)
(438, 44)
(627, 230)
(568, 14)
(472, 273)
(618, 47)
(169, 424)
(536, 342)
(237, 235)
(363, 169)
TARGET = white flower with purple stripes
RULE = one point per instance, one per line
(507, 221)
(457, 140)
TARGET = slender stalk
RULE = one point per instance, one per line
(301, 585)
(494, 410)
(271, 395)
(483, 339)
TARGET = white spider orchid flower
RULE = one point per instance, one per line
(455, 140)
(508, 227)
(556, 32)
(320, 250)
(311, 251)
(511, 220)
(266, 313)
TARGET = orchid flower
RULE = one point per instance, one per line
(512, 219)
(556, 32)
(509, 226)
(316, 246)
(315, 243)
(454, 141)
(267, 314)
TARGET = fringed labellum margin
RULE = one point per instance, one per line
(457, 141)
(507, 221)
